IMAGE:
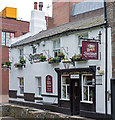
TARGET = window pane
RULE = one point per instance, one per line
(91, 93)
(21, 90)
(39, 82)
(88, 80)
(80, 50)
(85, 92)
(21, 82)
(80, 42)
(54, 44)
(39, 93)
(58, 43)
(12, 35)
(3, 38)
(68, 92)
(64, 92)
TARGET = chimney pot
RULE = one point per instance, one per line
(40, 6)
(35, 5)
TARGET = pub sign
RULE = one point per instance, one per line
(89, 50)
(49, 84)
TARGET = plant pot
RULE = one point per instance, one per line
(19, 66)
(56, 61)
(82, 61)
(42, 59)
(61, 57)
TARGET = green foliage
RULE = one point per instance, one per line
(78, 57)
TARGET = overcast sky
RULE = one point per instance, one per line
(24, 7)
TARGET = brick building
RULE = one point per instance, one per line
(10, 27)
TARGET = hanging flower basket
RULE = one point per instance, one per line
(6, 64)
(18, 65)
(21, 63)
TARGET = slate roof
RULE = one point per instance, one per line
(76, 25)
(87, 6)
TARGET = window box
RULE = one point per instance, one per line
(61, 55)
(54, 60)
(78, 58)
(42, 58)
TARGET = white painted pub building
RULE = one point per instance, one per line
(75, 84)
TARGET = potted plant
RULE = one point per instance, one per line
(61, 55)
(78, 57)
(57, 59)
(18, 65)
(51, 60)
(6, 64)
(21, 63)
(42, 58)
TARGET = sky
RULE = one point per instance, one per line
(24, 7)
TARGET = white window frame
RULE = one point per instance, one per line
(86, 101)
(21, 85)
(37, 88)
(6, 36)
(66, 85)
(57, 48)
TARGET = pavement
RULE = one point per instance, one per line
(15, 112)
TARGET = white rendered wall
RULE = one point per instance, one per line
(37, 22)
(42, 69)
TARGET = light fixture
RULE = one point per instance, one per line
(66, 63)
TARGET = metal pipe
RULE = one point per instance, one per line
(106, 56)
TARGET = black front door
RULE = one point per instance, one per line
(75, 96)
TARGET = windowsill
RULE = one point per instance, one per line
(20, 94)
(39, 96)
(90, 102)
(65, 99)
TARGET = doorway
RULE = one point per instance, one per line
(75, 96)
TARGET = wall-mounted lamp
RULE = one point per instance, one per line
(66, 63)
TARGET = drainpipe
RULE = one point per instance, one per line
(106, 55)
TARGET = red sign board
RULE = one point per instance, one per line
(49, 84)
(89, 50)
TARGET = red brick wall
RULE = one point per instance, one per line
(16, 26)
(111, 23)
(61, 13)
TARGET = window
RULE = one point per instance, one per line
(21, 85)
(80, 42)
(56, 47)
(6, 36)
(65, 88)
(87, 88)
(39, 86)
(21, 52)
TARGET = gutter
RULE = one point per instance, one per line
(106, 55)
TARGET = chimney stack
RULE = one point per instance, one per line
(40, 6)
(35, 5)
